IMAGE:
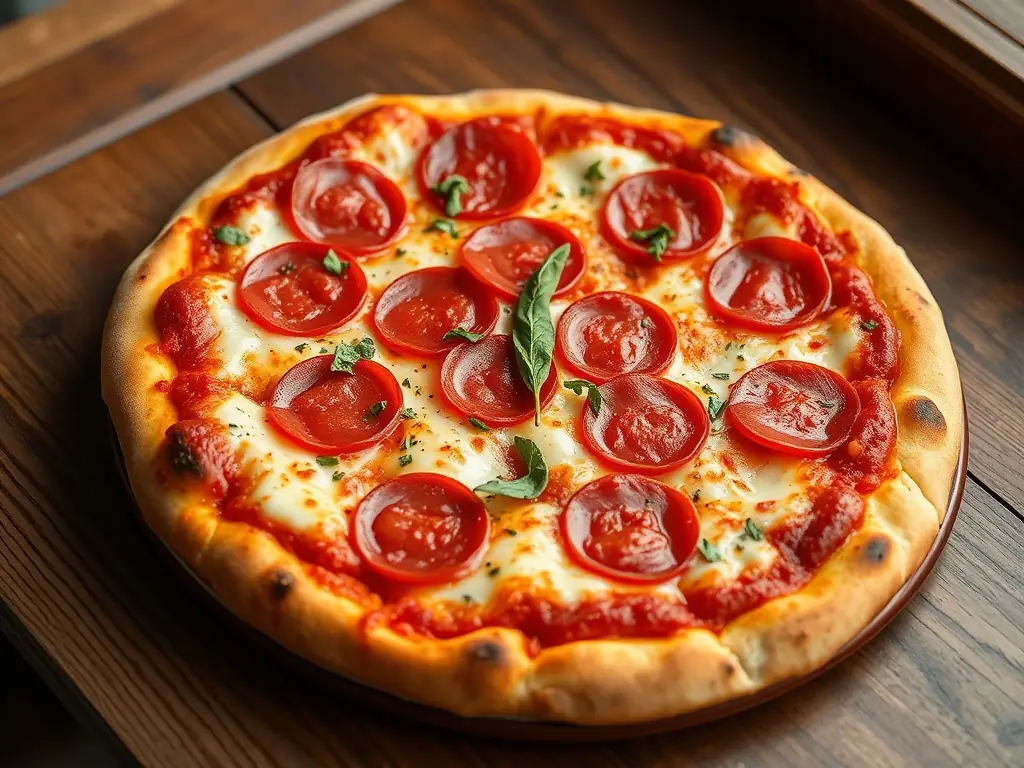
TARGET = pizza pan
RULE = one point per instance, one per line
(536, 730)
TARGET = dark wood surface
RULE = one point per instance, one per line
(88, 599)
(149, 69)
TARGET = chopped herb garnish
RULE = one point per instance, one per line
(233, 426)
(404, 461)
(302, 347)
(333, 264)
(452, 189)
(407, 413)
(741, 358)
(407, 444)
(695, 497)
(593, 393)
(468, 598)
(559, 193)
(869, 325)
(494, 571)
(586, 191)
(374, 410)
(752, 530)
(646, 322)
(708, 550)
(479, 424)
(406, 383)
(285, 269)
(715, 406)
(826, 403)
(347, 355)
(231, 235)
(462, 333)
(511, 531)
(594, 172)
(722, 376)
(657, 239)
(338, 474)
(443, 225)
(530, 485)
(400, 251)
(327, 461)
(707, 389)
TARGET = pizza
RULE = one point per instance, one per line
(522, 405)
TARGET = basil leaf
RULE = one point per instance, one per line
(593, 393)
(533, 333)
(337, 475)
(347, 355)
(753, 530)
(404, 461)
(462, 333)
(452, 189)
(231, 235)
(407, 413)
(327, 461)
(657, 239)
(708, 550)
(334, 265)
(374, 410)
(594, 172)
(722, 376)
(530, 485)
(479, 424)
(443, 225)
(715, 406)
(869, 325)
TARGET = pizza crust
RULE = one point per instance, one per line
(489, 672)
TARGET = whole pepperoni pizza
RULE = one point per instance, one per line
(523, 405)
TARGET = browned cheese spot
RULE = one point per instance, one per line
(922, 413)
(281, 583)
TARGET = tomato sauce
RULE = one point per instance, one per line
(866, 459)
(197, 450)
(571, 131)
(183, 319)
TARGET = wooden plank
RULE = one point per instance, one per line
(941, 687)
(1005, 15)
(960, 232)
(34, 41)
(974, 21)
(142, 73)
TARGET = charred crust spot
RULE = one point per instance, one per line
(921, 299)
(281, 583)
(486, 651)
(876, 551)
(181, 456)
(923, 412)
(731, 136)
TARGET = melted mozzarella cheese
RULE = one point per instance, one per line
(733, 484)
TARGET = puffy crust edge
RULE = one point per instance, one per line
(489, 672)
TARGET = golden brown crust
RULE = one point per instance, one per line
(490, 672)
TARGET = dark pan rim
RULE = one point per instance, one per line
(537, 730)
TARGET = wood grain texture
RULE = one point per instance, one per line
(960, 232)
(152, 68)
(1005, 15)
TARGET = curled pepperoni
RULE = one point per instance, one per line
(421, 528)
(630, 528)
(794, 407)
(183, 318)
(336, 412)
(482, 380)
(419, 308)
(347, 204)
(769, 284)
(645, 424)
(608, 334)
(504, 254)
(296, 289)
(499, 166)
(663, 215)
(813, 538)
(197, 450)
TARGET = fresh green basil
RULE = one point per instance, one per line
(347, 355)
(334, 264)
(452, 189)
(463, 334)
(231, 235)
(533, 333)
(530, 485)
(593, 393)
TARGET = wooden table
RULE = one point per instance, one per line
(85, 598)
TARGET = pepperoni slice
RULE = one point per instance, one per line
(504, 255)
(294, 289)
(663, 215)
(499, 165)
(419, 308)
(421, 528)
(347, 204)
(794, 407)
(335, 412)
(608, 334)
(630, 528)
(645, 424)
(769, 284)
(482, 380)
